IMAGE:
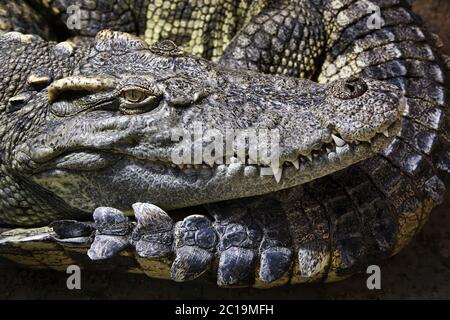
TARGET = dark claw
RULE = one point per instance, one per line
(275, 262)
(66, 229)
(105, 247)
(152, 236)
(195, 241)
(112, 235)
(190, 263)
(235, 266)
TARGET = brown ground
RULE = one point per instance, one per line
(422, 270)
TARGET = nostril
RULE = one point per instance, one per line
(350, 87)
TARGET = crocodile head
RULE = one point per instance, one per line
(150, 123)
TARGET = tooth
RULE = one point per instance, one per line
(234, 160)
(277, 173)
(296, 164)
(339, 142)
(386, 133)
(209, 162)
(328, 150)
(309, 157)
(250, 171)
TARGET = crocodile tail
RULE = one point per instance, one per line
(409, 176)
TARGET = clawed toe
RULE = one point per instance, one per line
(275, 262)
(112, 234)
(238, 249)
(71, 232)
(235, 267)
(152, 237)
(192, 243)
(66, 229)
(195, 241)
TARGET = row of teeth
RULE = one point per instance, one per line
(277, 172)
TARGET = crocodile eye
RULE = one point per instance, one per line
(137, 100)
(348, 88)
(134, 96)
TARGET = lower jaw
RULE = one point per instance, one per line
(130, 180)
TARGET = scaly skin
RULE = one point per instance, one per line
(345, 220)
(82, 128)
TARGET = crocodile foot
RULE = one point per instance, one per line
(248, 244)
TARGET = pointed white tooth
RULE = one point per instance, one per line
(339, 142)
(277, 174)
(234, 160)
(208, 162)
(386, 133)
(328, 150)
(296, 164)
(309, 157)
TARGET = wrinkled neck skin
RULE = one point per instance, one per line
(105, 133)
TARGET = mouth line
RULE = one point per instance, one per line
(337, 143)
(328, 153)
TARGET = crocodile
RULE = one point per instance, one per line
(353, 187)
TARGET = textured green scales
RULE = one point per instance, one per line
(343, 219)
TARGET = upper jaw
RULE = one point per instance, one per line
(130, 180)
(130, 139)
(334, 155)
